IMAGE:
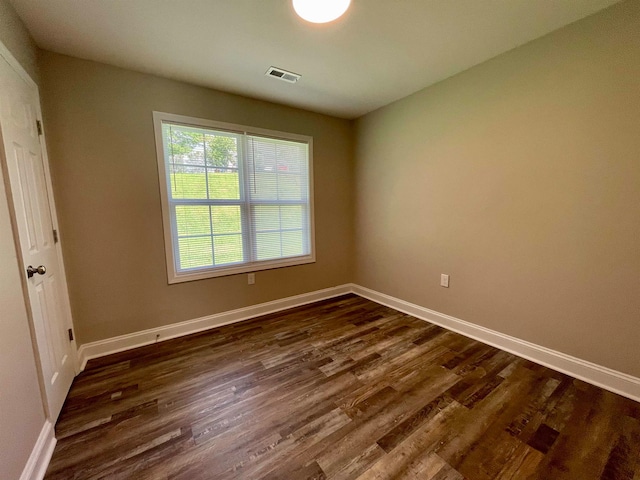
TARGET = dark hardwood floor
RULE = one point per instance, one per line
(340, 389)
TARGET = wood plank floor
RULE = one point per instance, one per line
(340, 389)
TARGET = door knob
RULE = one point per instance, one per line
(41, 270)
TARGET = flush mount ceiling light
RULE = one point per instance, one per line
(320, 11)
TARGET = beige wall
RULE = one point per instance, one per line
(521, 179)
(98, 122)
(15, 36)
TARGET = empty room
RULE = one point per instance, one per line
(320, 239)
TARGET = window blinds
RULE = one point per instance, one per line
(278, 197)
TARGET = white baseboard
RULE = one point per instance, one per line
(146, 337)
(41, 454)
(612, 380)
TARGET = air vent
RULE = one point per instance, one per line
(282, 75)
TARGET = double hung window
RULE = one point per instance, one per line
(234, 199)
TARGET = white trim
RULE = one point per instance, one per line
(607, 378)
(147, 337)
(41, 454)
(241, 268)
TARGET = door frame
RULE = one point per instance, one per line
(64, 291)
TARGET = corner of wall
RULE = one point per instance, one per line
(16, 38)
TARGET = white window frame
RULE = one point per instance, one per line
(173, 274)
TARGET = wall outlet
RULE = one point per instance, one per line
(251, 278)
(444, 280)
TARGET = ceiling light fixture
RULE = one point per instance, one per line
(320, 11)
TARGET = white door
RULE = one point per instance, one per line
(19, 110)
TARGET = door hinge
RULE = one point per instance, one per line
(39, 125)
(55, 236)
(70, 335)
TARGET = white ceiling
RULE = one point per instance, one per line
(380, 51)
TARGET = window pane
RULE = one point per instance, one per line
(292, 243)
(221, 150)
(263, 154)
(268, 245)
(192, 220)
(291, 157)
(226, 219)
(266, 217)
(278, 169)
(184, 145)
(187, 182)
(290, 187)
(264, 186)
(224, 184)
(195, 252)
(228, 249)
(291, 216)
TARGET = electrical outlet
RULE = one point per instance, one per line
(251, 278)
(444, 280)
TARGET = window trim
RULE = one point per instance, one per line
(173, 275)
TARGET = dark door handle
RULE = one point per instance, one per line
(41, 270)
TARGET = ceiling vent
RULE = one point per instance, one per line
(282, 75)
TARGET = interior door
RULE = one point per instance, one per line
(19, 108)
